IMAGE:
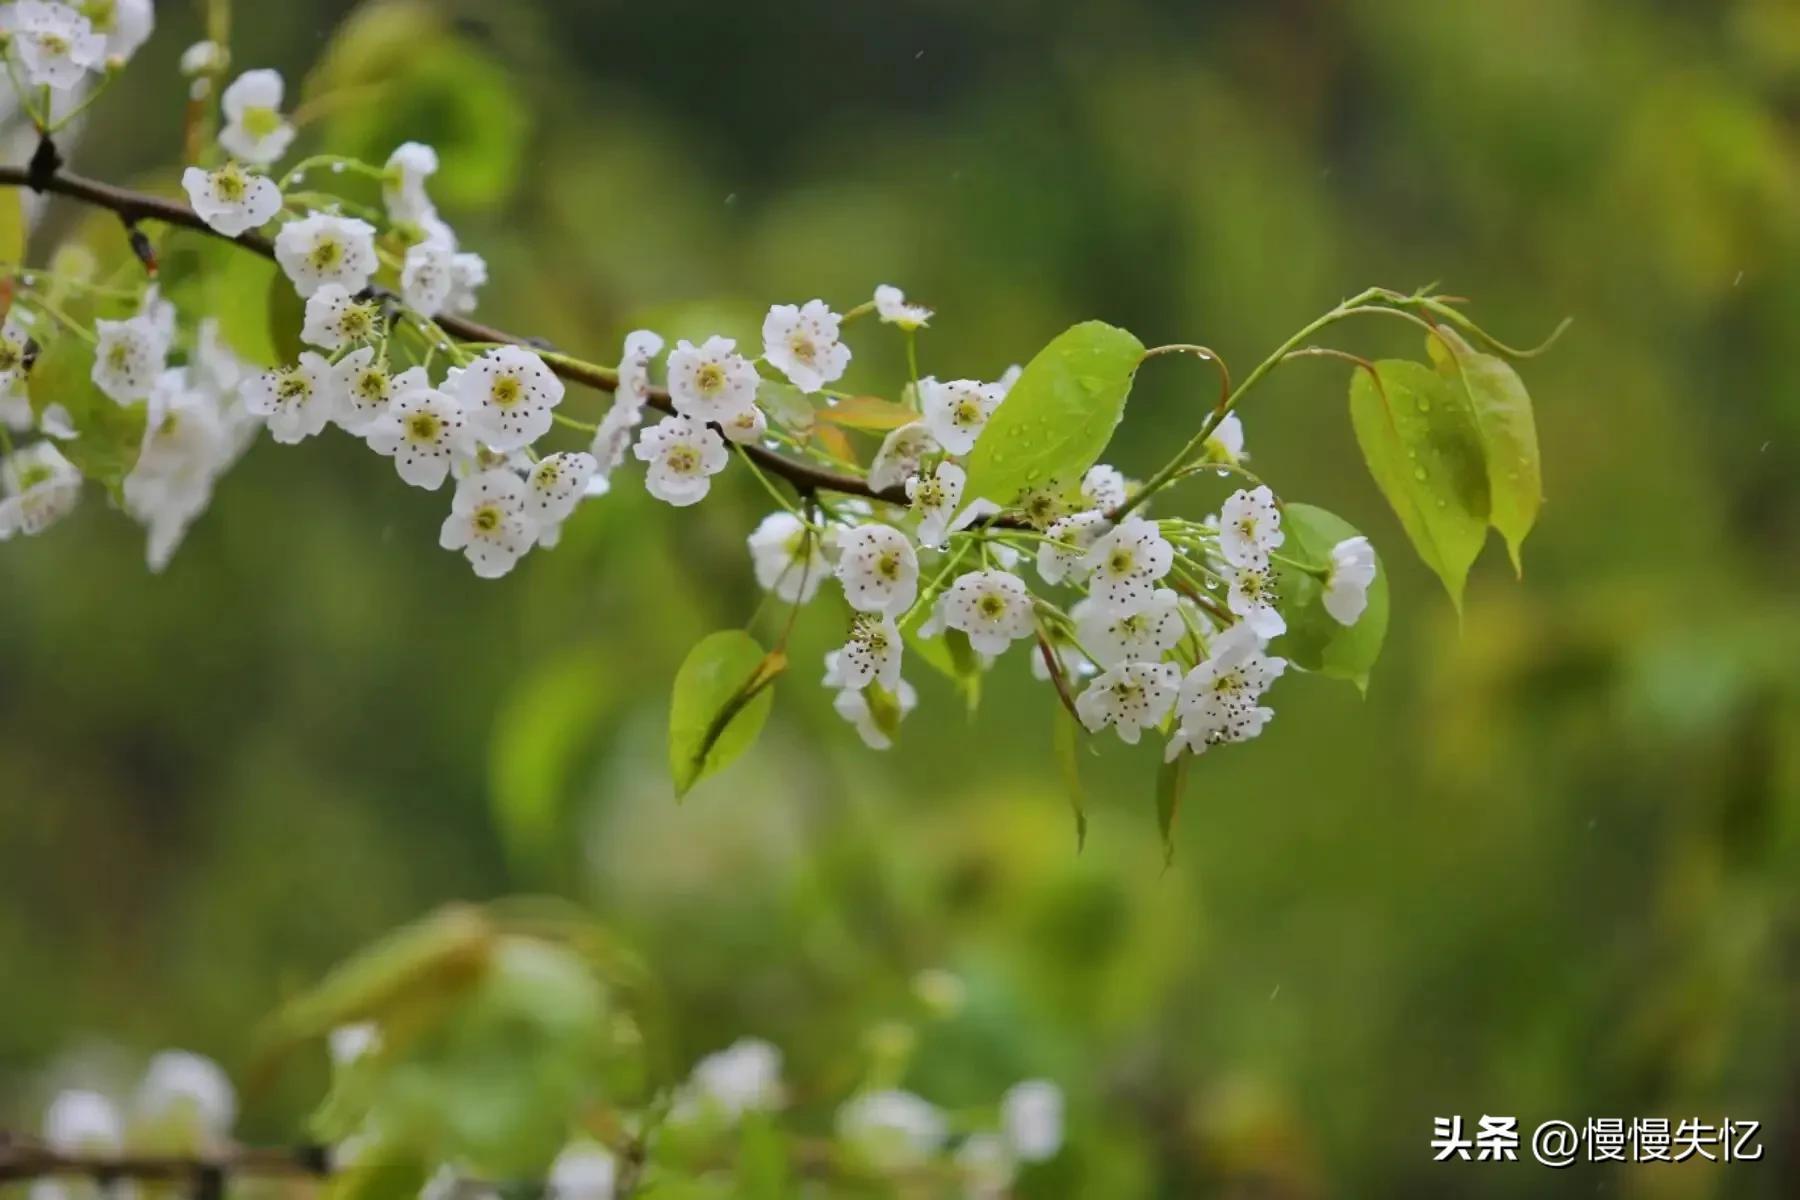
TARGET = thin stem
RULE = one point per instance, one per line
(63, 121)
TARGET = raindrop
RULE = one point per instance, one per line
(1419, 473)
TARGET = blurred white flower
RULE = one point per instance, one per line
(255, 130)
(187, 1092)
(893, 1130)
(891, 307)
(1347, 585)
(787, 559)
(128, 357)
(1032, 1115)
(55, 46)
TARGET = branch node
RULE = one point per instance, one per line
(46, 161)
(140, 244)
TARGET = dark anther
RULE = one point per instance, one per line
(209, 1183)
(314, 1158)
(140, 246)
(46, 161)
(540, 343)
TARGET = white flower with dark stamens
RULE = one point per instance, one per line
(363, 388)
(1218, 697)
(554, 487)
(1226, 443)
(1250, 527)
(1131, 697)
(182, 453)
(879, 569)
(746, 426)
(900, 456)
(427, 276)
(15, 351)
(872, 654)
(634, 369)
(336, 319)
(802, 343)
(509, 395)
(488, 523)
(82, 1122)
(468, 272)
(611, 440)
(957, 412)
(583, 1171)
(1124, 564)
(255, 130)
(1347, 585)
(892, 1130)
(684, 454)
(188, 1092)
(1252, 597)
(1063, 554)
(876, 718)
(711, 381)
(55, 45)
(1031, 1113)
(422, 429)
(403, 182)
(1102, 488)
(297, 401)
(322, 249)
(934, 500)
(788, 559)
(992, 607)
(128, 357)
(231, 199)
(40, 487)
(125, 24)
(1143, 634)
(891, 307)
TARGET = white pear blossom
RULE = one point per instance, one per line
(934, 500)
(1062, 555)
(200, 58)
(509, 395)
(711, 381)
(1219, 696)
(957, 412)
(553, 487)
(875, 728)
(403, 183)
(987, 1165)
(743, 1077)
(872, 655)
(335, 319)
(56, 421)
(1250, 527)
(583, 1171)
(746, 426)
(1144, 633)
(55, 46)
(125, 24)
(488, 522)
(15, 351)
(1347, 584)
(878, 568)
(297, 401)
(1252, 597)
(1131, 697)
(992, 607)
(182, 452)
(683, 454)
(348, 1043)
(1031, 1113)
(802, 343)
(216, 370)
(83, 1122)
(255, 130)
(611, 441)
(788, 559)
(363, 389)
(641, 346)
(1226, 443)
(189, 1092)
(893, 1130)
(422, 429)
(323, 248)
(40, 487)
(1102, 488)
(428, 276)
(1124, 564)
(128, 357)
(891, 307)
(231, 199)
(468, 274)
(900, 456)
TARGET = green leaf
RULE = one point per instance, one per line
(109, 435)
(544, 737)
(721, 700)
(763, 1158)
(1059, 416)
(286, 318)
(1508, 429)
(1420, 442)
(1314, 639)
(12, 227)
(379, 1172)
(206, 277)
(1066, 743)
(949, 654)
(1171, 777)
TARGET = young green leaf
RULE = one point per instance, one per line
(206, 277)
(1508, 428)
(1171, 777)
(1314, 638)
(1059, 416)
(108, 434)
(12, 227)
(721, 700)
(1066, 742)
(1419, 440)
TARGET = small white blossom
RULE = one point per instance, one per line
(488, 522)
(900, 456)
(746, 426)
(879, 569)
(1131, 697)
(125, 24)
(403, 184)
(987, 1165)
(1124, 564)
(874, 727)
(336, 319)
(611, 440)
(255, 130)
(1032, 1115)
(934, 501)
(892, 1130)
(363, 389)
(1218, 697)
(202, 57)
(872, 655)
(891, 307)
(56, 421)
(744, 1077)
(182, 452)
(15, 351)
(1063, 554)
(802, 343)
(957, 412)
(992, 607)
(683, 454)
(427, 276)
(297, 401)
(1252, 597)
(1102, 488)
(1226, 443)
(128, 357)
(322, 248)
(422, 429)
(1250, 527)
(554, 486)
(788, 559)
(40, 487)
(83, 1122)
(583, 1171)
(1347, 585)
(217, 371)
(348, 1043)
(1144, 633)
(641, 346)
(231, 199)
(509, 395)
(711, 381)
(188, 1092)
(55, 45)
(468, 273)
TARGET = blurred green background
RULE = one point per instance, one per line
(1547, 868)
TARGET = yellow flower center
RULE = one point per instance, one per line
(229, 183)
(423, 427)
(327, 253)
(710, 377)
(487, 519)
(261, 121)
(991, 606)
(682, 459)
(506, 391)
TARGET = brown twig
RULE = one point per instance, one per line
(22, 1159)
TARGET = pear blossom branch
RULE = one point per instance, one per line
(24, 1158)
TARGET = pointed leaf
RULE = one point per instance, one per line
(1171, 777)
(721, 700)
(1314, 638)
(1508, 428)
(1066, 742)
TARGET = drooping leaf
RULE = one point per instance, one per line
(1059, 416)
(1419, 440)
(1066, 742)
(721, 700)
(1171, 777)
(1314, 638)
(1503, 417)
